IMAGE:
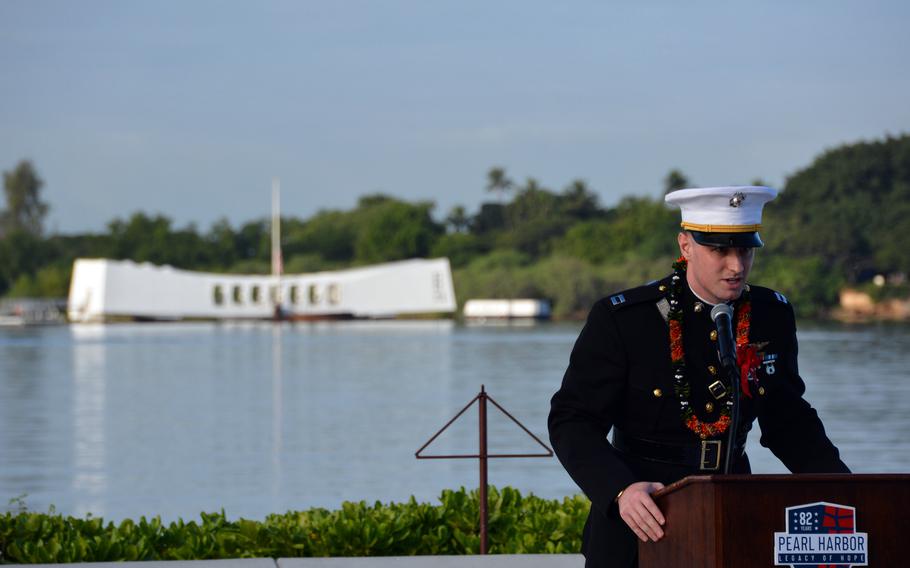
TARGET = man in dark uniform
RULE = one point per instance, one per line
(646, 367)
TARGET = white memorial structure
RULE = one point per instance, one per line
(105, 290)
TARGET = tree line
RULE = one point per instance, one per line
(838, 221)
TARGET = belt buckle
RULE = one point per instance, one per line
(717, 390)
(710, 452)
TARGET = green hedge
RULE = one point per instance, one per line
(517, 524)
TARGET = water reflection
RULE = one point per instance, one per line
(277, 413)
(89, 455)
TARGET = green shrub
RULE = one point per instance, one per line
(499, 274)
(51, 281)
(459, 248)
(573, 285)
(517, 525)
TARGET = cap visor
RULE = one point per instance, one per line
(746, 240)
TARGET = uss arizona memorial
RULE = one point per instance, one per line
(104, 290)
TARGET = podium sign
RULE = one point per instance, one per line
(821, 534)
(752, 521)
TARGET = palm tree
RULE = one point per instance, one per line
(458, 219)
(498, 183)
(675, 180)
(579, 201)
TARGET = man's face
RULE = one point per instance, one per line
(716, 274)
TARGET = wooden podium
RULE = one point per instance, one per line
(723, 521)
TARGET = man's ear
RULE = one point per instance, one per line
(685, 244)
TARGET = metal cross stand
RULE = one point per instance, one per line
(482, 455)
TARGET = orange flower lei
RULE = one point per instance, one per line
(683, 389)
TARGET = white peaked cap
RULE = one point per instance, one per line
(734, 209)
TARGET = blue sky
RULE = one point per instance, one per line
(190, 108)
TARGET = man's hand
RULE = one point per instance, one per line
(640, 512)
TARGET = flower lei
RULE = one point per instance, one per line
(677, 356)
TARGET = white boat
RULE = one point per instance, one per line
(105, 290)
(512, 309)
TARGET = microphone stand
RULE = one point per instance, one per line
(731, 372)
(722, 315)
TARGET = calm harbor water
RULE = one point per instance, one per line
(173, 419)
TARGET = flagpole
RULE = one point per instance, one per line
(276, 241)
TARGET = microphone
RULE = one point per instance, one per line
(722, 314)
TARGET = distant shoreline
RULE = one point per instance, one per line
(856, 306)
